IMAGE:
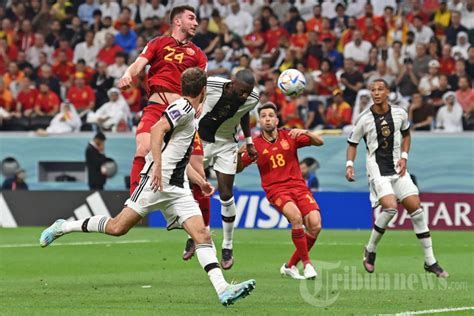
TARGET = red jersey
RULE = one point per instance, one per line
(81, 98)
(278, 162)
(273, 37)
(107, 54)
(47, 102)
(64, 71)
(299, 40)
(27, 99)
(168, 59)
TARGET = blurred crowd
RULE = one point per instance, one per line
(59, 60)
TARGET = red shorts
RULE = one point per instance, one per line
(197, 146)
(301, 196)
(151, 114)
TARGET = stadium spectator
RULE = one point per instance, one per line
(355, 8)
(340, 21)
(16, 182)
(235, 51)
(339, 113)
(467, 15)
(395, 58)
(148, 30)
(420, 113)
(315, 24)
(112, 115)
(204, 39)
(32, 54)
(454, 29)
(81, 95)
(325, 82)
(88, 72)
(117, 69)
(422, 32)
(470, 62)
(308, 168)
(274, 34)
(133, 96)
(459, 71)
(95, 158)
(462, 45)
(436, 96)
(74, 32)
(331, 53)
(299, 38)
(465, 94)
(416, 9)
(219, 66)
(352, 80)
(66, 121)
(357, 49)
(126, 38)
(281, 8)
(110, 8)
(421, 61)
(101, 82)
(251, 6)
(109, 51)
(446, 61)
(25, 37)
(63, 69)
(371, 67)
(12, 78)
(125, 18)
(47, 101)
(86, 10)
(380, 5)
(326, 31)
(430, 81)
(45, 75)
(141, 44)
(382, 73)
(107, 28)
(449, 117)
(63, 46)
(240, 22)
(58, 10)
(6, 98)
(86, 50)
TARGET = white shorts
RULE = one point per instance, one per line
(175, 203)
(221, 155)
(401, 187)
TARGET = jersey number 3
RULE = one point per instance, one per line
(172, 55)
(277, 161)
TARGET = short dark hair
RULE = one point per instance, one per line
(308, 161)
(246, 76)
(268, 105)
(100, 136)
(193, 80)
(385, 83)
(179, 10)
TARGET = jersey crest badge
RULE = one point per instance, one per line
(190, 51)
(285, 145)
(265, 151)
(385, 129)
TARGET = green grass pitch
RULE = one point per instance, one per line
(143, 274)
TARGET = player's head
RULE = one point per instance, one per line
(242, 85)
(193, 83)
(379, 91)
(267, 115)
(183, 19)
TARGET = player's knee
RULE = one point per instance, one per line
(202, 236)
(225, 195)
(296, 221)
(116, 230)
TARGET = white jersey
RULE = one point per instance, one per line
(177, 145)
(221, 116)
(382, 134)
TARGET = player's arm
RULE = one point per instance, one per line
(158, 132)
(196, 178)
(243, 159)
(132, 71)
(404, 147)
(351, 153)
(245, 125)
(315, 139)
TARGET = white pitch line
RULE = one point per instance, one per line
(80, 243)
(436, 311)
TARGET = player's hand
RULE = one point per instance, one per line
(350, 175)
(402, 167)
(242, 149)
(294, 133)
(125, 82)
(156, 182)
(252, 152)
(207, 189)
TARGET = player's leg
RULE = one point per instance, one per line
(225, 183)
(420, 226)
(116, 226)
(312, 222)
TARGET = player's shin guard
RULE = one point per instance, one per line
(92, 224)
(228, 218)
(208, 260)
(204, 204)
(380, 224)
(295, 258)
(137, 166)
(423, 233)
(299, 239)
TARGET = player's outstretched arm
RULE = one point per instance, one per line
(157, 134)
(316, 140)
(132, 71)
(245, 125)
(196, 178)
(350, 157)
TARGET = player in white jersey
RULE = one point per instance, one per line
(386, 132)
(227, 105)
(164, 185)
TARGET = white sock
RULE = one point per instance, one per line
(208, 260)
(92, 224)
(228, 218)
(423, 233)
(212, 241)
(380, 224)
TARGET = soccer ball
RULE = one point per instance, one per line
(291, 82)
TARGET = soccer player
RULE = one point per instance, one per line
(227, 105)
(164, 185)
(284, 185)
(168, 57)
(386, 132)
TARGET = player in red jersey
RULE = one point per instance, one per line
(168, 57)
(284, 185)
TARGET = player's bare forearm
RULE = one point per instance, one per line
(245, 125)
(240, 165)
(406, 141)
(350, 156)
(351, 152)
(316, 140)
(196, 178)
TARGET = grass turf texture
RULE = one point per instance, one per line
(108, 278)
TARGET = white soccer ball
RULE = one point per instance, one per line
(291, 82)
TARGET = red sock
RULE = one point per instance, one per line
(204, 204)
(299, 239)
(295, 258)
(137, 166)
